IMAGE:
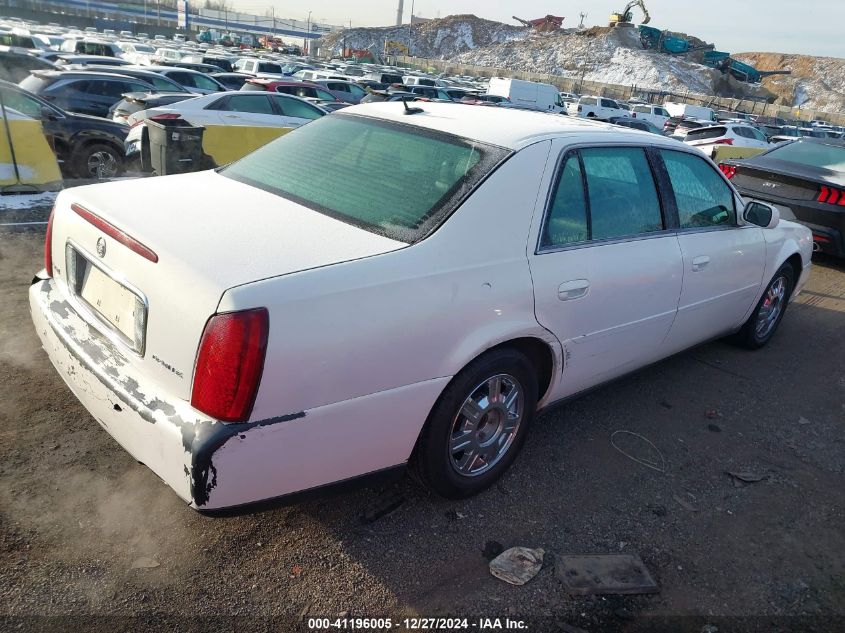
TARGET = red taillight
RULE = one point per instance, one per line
(115, 233)
(831, 195)
(230, 363)
(48, 246)
(728, 170)
(724, 141)
(164, 117)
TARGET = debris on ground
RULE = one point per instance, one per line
(583, 574)
(802, 420)
(742, 478)
(517, 565)
(639, 449)
(145, 562)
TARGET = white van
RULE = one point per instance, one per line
(595, 107)
(689, 111)
(527, 94)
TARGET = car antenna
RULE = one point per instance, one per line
(410, 110)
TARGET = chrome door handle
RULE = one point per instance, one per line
(574, 289)
(700, 263)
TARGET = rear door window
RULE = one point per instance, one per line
(621, 191)
(701, 194)
(254, 103)
(299, 109)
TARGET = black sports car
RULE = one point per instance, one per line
(805, 179)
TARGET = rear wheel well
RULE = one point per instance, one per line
(99, 140)
(794, 260)
(541, 357)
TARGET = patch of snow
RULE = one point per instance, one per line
(27, 200)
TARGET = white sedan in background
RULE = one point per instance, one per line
(708, 139)
(392, 285)
(263, 109)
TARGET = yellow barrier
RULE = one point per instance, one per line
(227, 143)
(726, 152)
(28, 161)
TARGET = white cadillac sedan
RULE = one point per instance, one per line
(389, 286)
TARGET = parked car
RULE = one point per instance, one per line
(88, 46)
(82, 91)
(264, 329)
(156, 80)
(707, 139)
(258, 67)
(637, 124)
(85, 146)
(133, 102)
(137, 52)
(805, 179)
(346, 91)
(16, 65)
(655, 114)
(166, 55)
(72, 59)
(681, 126)
(231, 81)
(192, 80)
(302, 89)
(206, 69)
(595, 108)
(428, 92)
(224, 63)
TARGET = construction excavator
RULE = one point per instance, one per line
(625, 17)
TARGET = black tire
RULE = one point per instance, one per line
(433, 462)
(86, 159)
(751, 336)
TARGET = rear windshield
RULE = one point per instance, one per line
(709, 132)
(814, 154)
(392, 179)
(268, 67)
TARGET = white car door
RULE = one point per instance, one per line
(606, 270)
(245, 108)
(723, 260)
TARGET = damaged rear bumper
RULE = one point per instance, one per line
(156, 429)
(216, 466)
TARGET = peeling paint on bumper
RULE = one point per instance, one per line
(212, 465)
(156, 429)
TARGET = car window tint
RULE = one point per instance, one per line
(622, 194)
(203, 82)
(701, 195)
(297, 108)
(324, 95)
(257, 104)
(20, 102)
(429, 172)
(566, 222)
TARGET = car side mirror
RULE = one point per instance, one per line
(47, 114)
(760, 214)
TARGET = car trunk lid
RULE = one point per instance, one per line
(163, 251)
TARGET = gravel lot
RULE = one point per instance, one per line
(87, 533)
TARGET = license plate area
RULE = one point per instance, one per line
(120, 308)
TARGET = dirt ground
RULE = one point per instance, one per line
(91, 540)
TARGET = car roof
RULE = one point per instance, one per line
(505, 127)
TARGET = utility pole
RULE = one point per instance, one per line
(410, 27)
(583, 16)
(308, 39)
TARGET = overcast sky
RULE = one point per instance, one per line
(812, 27)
